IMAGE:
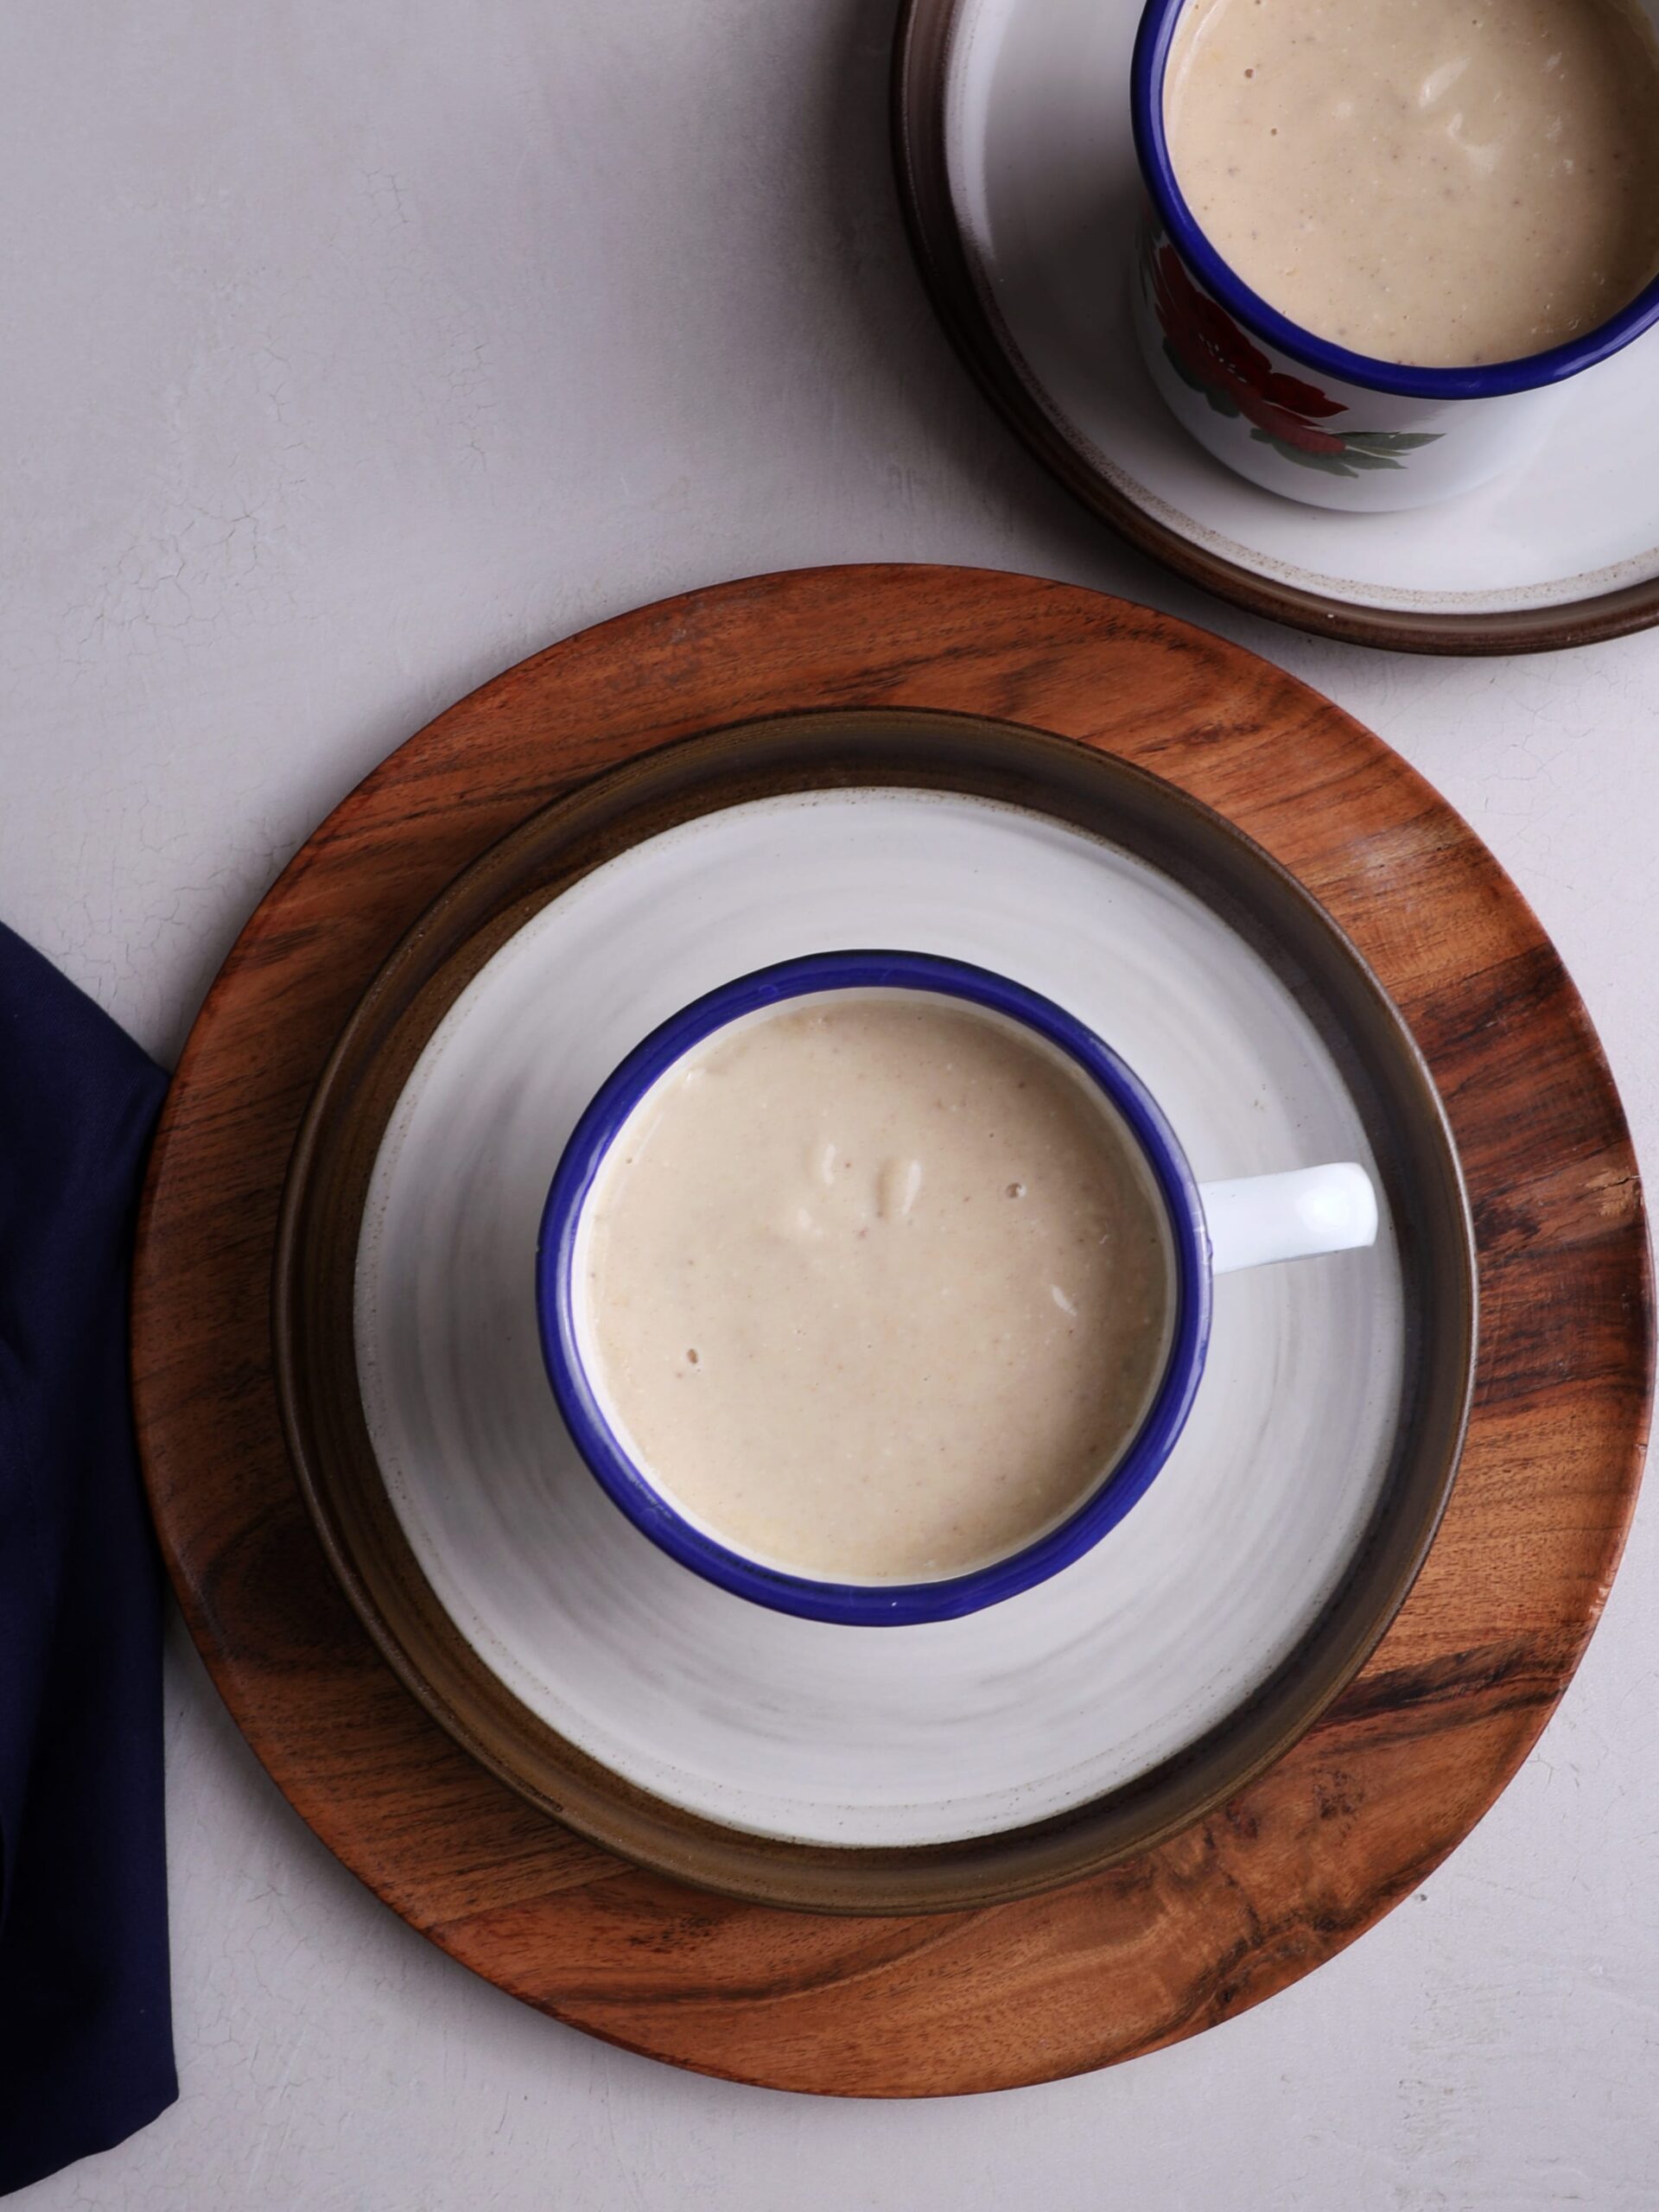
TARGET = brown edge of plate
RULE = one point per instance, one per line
(921, 48)
(339, 1138)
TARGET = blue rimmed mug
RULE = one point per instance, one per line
(1294, 412)
(1214, 1228)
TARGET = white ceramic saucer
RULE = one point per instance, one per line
(795, 1762)
(1015, 160)
(786, 1728)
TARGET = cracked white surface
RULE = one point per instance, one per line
(355, 352)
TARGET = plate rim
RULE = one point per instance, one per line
(591, 1798)
(921, 51)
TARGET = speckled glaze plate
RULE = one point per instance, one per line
(794, 1761)
(1012, 131)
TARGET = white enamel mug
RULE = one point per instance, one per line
(1214, 1228)
(1295, 413)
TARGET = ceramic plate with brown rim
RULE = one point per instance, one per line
(794, 1761)
(1011, 129)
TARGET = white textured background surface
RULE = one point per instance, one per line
(355, 350)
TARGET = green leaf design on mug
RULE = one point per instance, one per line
(1328, 464)
(1390, 441)
(1358, 450)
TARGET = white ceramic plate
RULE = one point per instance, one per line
(1015, 141)
(789, 1728)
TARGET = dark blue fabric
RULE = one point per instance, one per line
(86, 2031)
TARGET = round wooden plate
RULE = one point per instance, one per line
(1313, 1850)
(458, 1678)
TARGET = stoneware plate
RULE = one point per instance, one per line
(788, 1760)
(1012, 125)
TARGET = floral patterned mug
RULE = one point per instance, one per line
(1292, 412)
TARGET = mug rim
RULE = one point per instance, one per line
(628, 1485)
(1489, 380)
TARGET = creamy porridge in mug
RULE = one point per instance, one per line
(1441, 182)
(878, 1285)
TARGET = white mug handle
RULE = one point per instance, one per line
(1256, 1218)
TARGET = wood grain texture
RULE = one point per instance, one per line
(1315, 1850)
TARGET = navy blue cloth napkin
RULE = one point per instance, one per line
(86, 2029)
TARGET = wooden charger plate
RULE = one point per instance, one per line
(358, 1095)
(1311, 1851)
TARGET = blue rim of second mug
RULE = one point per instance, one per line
(870, 1605)
(1529, 372)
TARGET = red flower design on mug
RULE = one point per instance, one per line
(1210, 354)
